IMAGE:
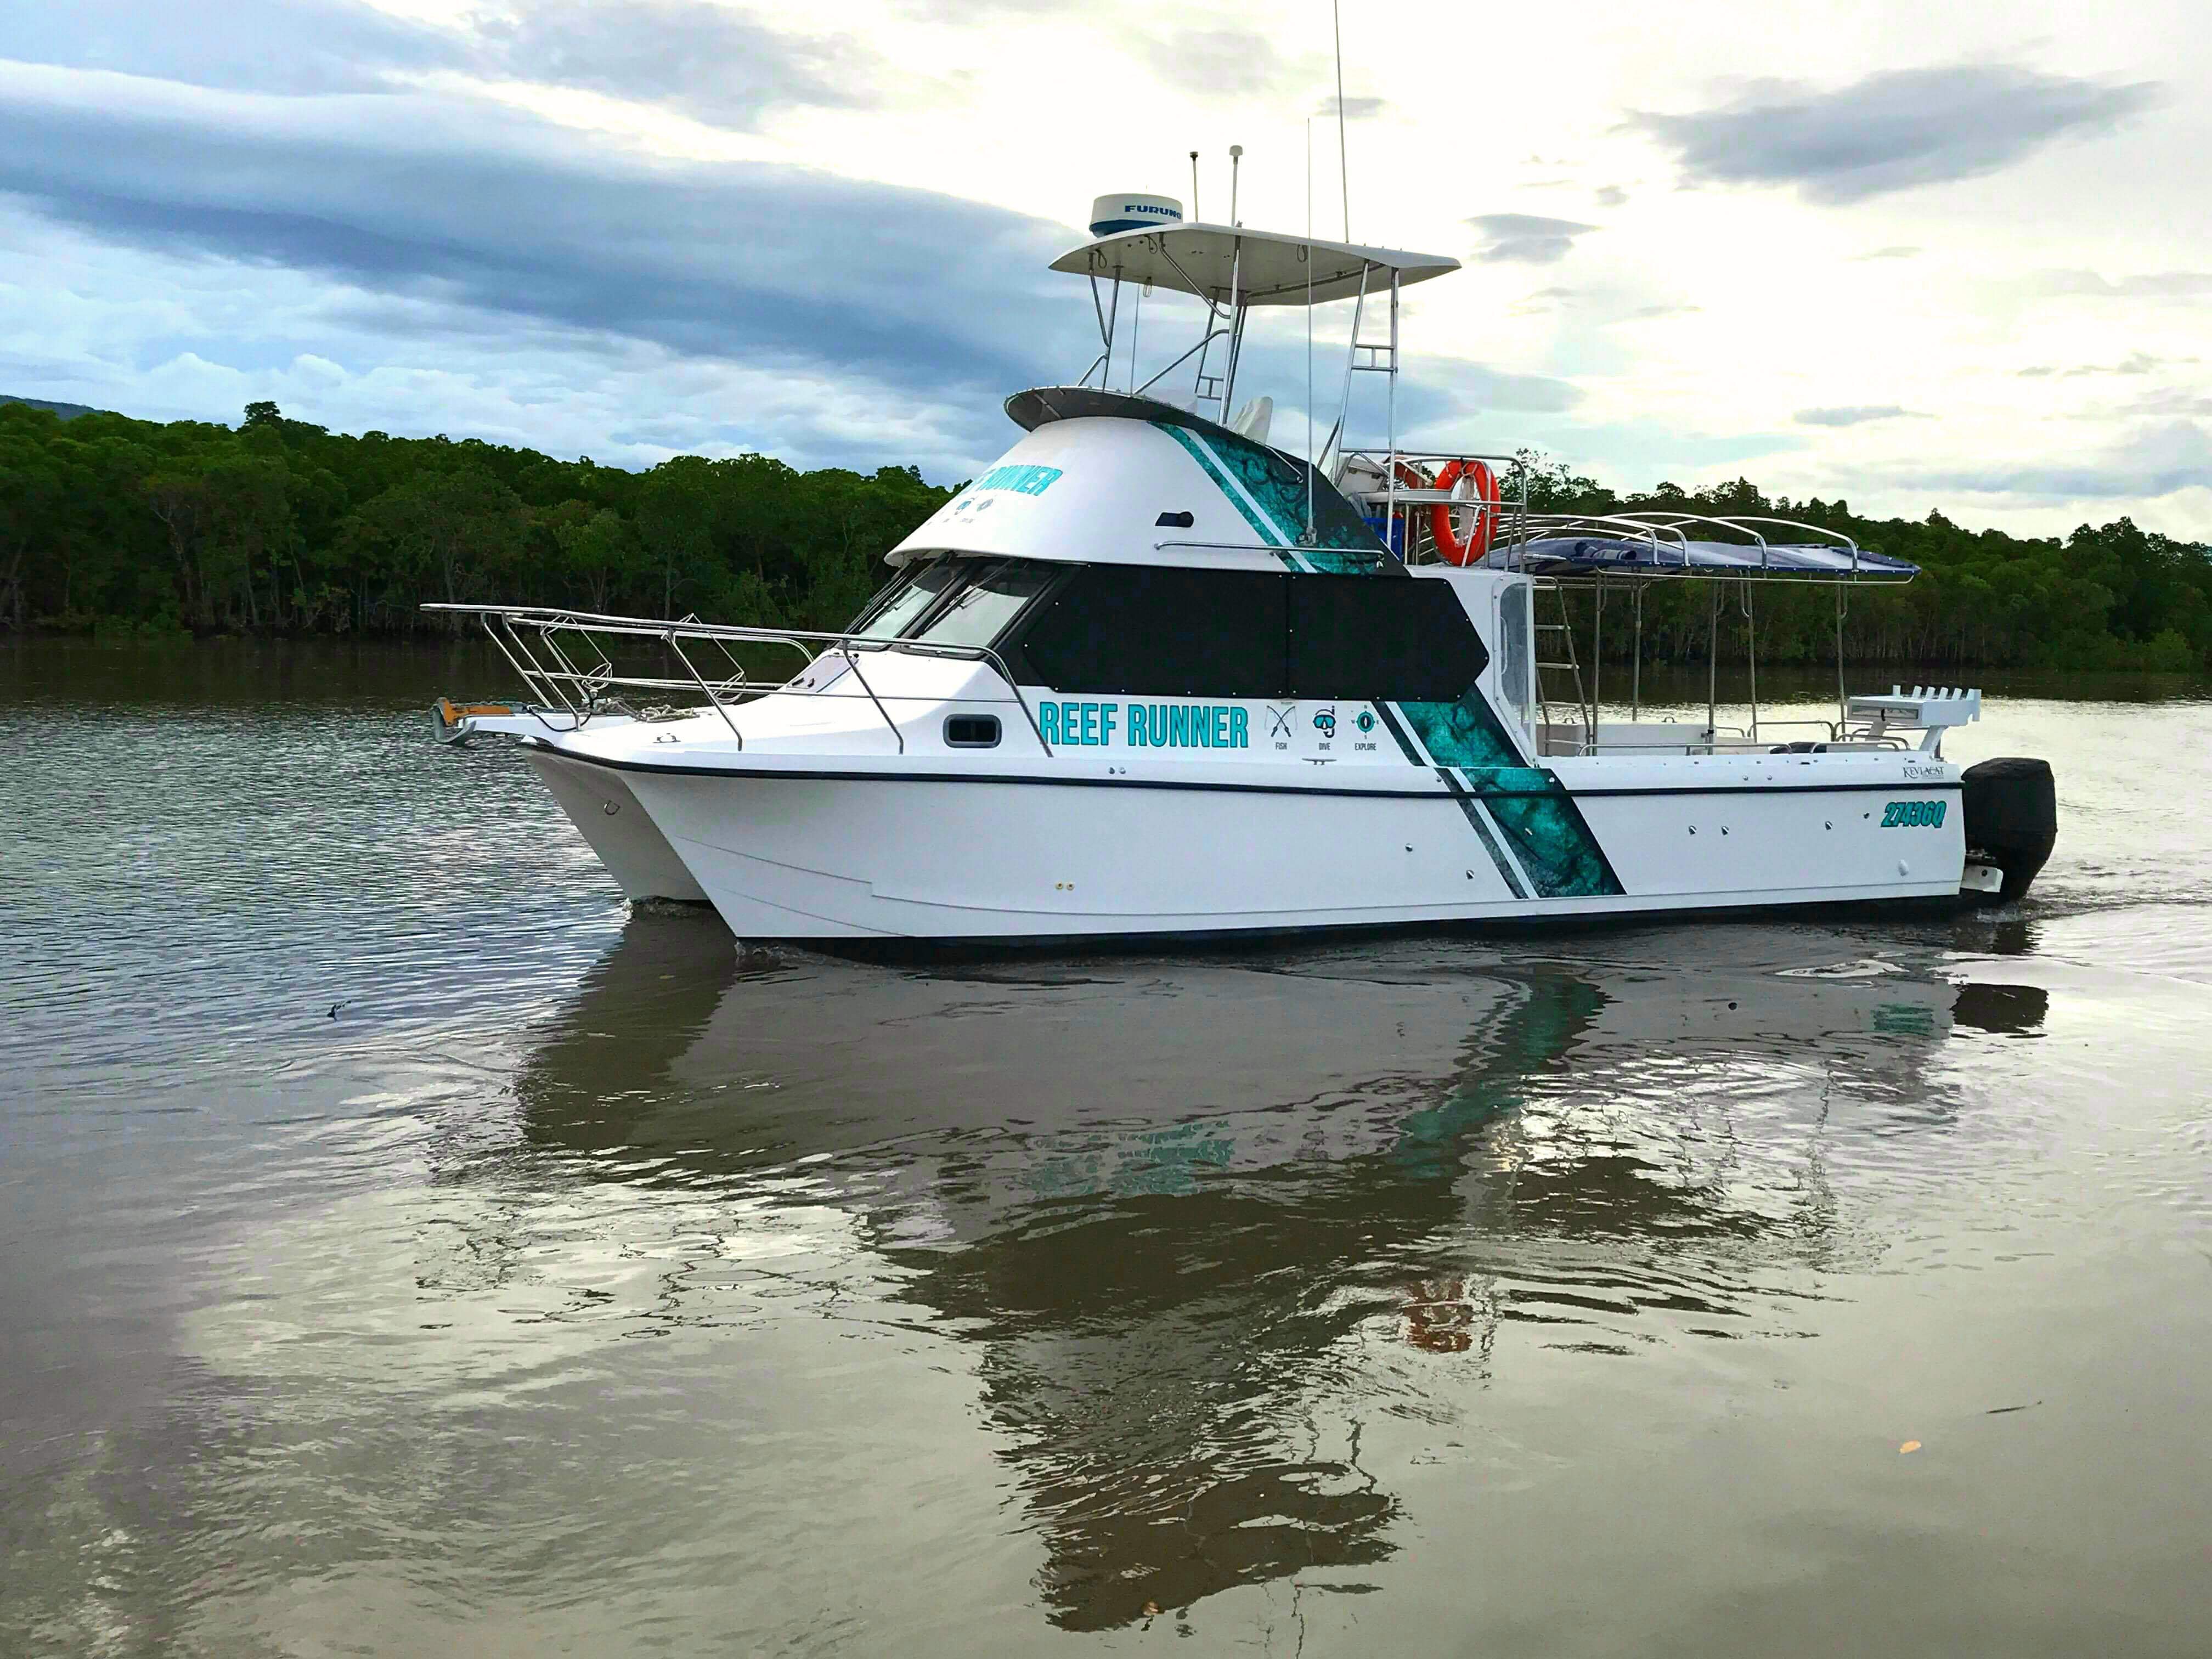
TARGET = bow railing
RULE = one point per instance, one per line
(561, 656)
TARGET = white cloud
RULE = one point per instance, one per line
(1856, 414)
(1892, 130)
(2142, 285)
(822, 233)
(2156, 461)
(1526, 237)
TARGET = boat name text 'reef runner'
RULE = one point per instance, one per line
(1148, 725)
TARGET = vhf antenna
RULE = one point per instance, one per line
(1235, 156)
(1343, 170)
(1194, 185)
(1310, 456)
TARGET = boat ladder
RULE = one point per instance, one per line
(1555, 655)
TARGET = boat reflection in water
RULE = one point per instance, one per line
(1189, 1209)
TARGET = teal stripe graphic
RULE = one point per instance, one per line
(1467, 805)
(1268, 523)
(1266, 481)
(1342, 543)
(1473, 809)
(1202, 453)
(1545, 828)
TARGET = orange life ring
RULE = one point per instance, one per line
(1484, 501)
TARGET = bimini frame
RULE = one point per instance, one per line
(1672, 554)
(1233, 271)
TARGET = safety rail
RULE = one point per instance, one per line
(1391, 483)
(1832, 735)
(552, 671)
(1539, 527)
(1669, 528)
(1376, 480)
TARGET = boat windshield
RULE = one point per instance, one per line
(896, 610)
(980, 611)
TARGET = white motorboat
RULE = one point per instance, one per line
(1152, 676)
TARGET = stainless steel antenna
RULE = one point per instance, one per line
(1343, 170)
(1312, 458)
(1195, 219)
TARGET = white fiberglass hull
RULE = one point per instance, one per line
(605, 812)
(936, 853)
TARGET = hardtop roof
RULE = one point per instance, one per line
(1270, 267)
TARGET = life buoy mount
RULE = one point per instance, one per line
(1483, 495)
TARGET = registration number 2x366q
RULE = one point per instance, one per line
(1914, 815)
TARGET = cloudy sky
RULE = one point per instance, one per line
(1921, 256)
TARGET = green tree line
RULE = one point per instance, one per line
(276, 526)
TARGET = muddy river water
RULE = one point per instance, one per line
(410, 1250)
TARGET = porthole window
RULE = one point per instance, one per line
(971, 732)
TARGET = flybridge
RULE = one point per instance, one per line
(1233, 270)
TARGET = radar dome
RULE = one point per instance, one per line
(1112, 214)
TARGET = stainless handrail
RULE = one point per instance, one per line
(985, 654)
(668, 639)
(853, 661)
(554, 683)
(1271, 549)
(550, 691)
(1799, 524)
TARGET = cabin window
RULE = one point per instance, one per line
(1516, 684)
(971, 732)
(1159, 631)
(980, 611)
(1367, 636)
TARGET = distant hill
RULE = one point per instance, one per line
(67, 411)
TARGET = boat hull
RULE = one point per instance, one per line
(784, 855)
(599, 802)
